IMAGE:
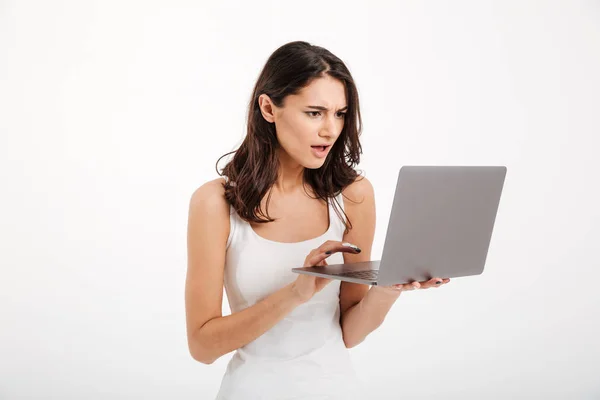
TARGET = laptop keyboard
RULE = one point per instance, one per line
(369, 274)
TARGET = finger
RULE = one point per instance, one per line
(411, 286)
(322, 263)
(333, 246)
(327, 249)
(315, 259)
(437, 282)
(433, 282)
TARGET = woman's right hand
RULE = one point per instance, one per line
(306, 286)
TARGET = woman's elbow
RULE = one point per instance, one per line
(350, 343)
(200, 353)
(202, 357)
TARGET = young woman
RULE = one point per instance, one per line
(289, 197)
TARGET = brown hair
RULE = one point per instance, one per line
(253, 169)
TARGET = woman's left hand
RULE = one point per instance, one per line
(433, 282)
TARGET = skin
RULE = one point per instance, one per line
(299, 217)
(299, 126)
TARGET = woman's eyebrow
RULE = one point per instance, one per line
(326, 109)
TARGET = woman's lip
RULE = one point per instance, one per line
(319, 151)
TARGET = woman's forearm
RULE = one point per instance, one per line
(367, 315)
(222, 335)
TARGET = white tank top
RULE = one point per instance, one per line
(303, 356)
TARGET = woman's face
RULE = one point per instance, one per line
(308, 120)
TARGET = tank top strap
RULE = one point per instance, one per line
(337, 220)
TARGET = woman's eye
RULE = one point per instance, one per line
(317, 113)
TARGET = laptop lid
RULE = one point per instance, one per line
(441, 222)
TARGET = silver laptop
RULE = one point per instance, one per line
(440, 226)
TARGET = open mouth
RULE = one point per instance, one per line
(320, 151)
(321, 148)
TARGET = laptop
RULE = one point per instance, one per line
(440, 225)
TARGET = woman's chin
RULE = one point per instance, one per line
(315, 163)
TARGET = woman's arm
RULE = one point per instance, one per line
(360, 313)
(362, 309)
(367, 315)
(221, 335)
(210, 335)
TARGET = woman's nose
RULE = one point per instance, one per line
(329, 126)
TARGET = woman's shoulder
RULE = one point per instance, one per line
(359, 190)
(213, 190)
(210, 198)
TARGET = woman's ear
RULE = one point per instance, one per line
(267, 109)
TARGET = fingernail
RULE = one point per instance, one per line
(355, 247)
(328, 252)
(438, 282)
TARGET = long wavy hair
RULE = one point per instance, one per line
(253, 169)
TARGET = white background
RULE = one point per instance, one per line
(113, 113)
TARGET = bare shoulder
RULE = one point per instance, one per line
(359, 204)
(209, 208)
(210, 193)
(358, 191)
